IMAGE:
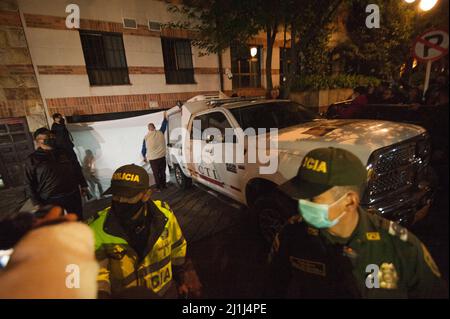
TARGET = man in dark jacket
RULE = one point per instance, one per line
(62, 134)
(52, 177)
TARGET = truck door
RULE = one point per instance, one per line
(227, 144)
(200, 164)
(220, 142)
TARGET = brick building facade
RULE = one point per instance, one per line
(46, 67)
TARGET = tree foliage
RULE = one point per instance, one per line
(309, 24)
(217, 23)
(220, 23)
(378, 51)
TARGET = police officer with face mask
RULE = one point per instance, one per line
(139, 244)
(335, 249)
(52, 177)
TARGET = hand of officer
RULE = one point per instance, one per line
(191, 284)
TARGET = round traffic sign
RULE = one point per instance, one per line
(431, 45)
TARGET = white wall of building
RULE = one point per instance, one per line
(53, 47)
(63, 47)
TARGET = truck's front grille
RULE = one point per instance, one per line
(392, 182)
(395, 168)
(395, 158)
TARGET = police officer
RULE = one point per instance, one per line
(335, 249)
(52, 177)
(139, 242)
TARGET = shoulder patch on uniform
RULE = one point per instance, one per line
(430, 261)
(373, 235)
(398, 231)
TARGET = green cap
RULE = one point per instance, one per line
(128, 181)
(322, 169)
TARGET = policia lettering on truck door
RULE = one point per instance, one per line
(334, 249)
(139, 242)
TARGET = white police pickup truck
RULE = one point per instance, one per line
(244, 148)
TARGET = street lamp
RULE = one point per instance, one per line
(426, 5)
(253, 52)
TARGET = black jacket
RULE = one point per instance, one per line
(51, 174)
(63, 137)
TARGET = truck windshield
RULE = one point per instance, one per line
(272, 115)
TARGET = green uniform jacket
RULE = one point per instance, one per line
(380, 260)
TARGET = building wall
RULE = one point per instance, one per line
(19, 91)
(55, 66)
(62, 76)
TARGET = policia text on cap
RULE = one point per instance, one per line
(335, 249)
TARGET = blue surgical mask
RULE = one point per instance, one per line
(317, 215)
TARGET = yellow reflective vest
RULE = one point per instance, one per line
(120, 266)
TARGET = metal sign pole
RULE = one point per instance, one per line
(427, 78)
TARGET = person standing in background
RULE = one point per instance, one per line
(357, 107)
(52, 177)
(90, 173)
(154, 152)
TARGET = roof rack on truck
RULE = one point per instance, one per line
(219, 102)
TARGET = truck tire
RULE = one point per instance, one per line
(272, 212)
(182, 180)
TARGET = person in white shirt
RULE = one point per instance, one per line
(154, 152)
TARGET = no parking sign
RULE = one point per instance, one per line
(430, 46)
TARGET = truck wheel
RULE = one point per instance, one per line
(272, 212)
(182, 180)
